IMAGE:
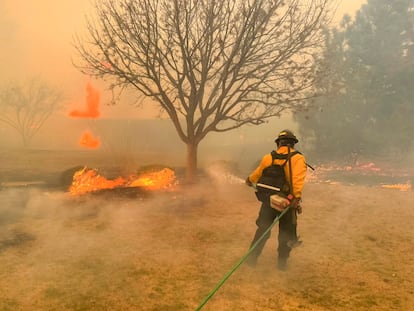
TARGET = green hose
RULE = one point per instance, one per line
(237, 265)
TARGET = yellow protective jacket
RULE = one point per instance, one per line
(298, 169)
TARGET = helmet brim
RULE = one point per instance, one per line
(294, 140)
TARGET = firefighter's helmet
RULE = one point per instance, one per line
(286, 135)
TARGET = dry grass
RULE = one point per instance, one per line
(167, 252)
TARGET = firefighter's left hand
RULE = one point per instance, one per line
(248, 182)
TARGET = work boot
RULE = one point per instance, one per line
(251, 261)
(294, 243)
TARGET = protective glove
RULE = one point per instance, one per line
(248, 182)
(295, 203)
(299, 208)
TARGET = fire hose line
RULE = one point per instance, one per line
(238, 264)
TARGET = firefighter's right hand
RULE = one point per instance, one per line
(294, 202)
(299, 208)
(248, 182)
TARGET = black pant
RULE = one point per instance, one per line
(287, 230)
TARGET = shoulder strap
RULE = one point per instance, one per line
(280, 156)
(290, 154)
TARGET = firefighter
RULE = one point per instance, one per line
(294, 175)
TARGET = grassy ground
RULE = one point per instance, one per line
(169, 250)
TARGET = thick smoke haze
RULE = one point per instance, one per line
(37, 41)
(166, 251)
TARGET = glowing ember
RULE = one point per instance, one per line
(92, 104)
(401, 187)
(88, 180)
(368, 173)
(87, 140)
(368, 167)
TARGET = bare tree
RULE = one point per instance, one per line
(211, 65)
(26, 107)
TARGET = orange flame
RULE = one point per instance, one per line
(401, 187)
(92, 104)
(88, 180)
(155, 180)
(87, 140)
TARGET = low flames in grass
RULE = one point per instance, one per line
(89, 180)
(324, 174)
(401, 187)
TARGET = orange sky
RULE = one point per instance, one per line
(38, 43)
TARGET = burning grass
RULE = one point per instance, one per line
(363, 174)
(168, 252)
(88, 180)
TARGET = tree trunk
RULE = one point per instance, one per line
(26, 141)
(191, 167)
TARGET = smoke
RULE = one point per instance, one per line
(82, 251)
(224, 172)
(51, 242)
